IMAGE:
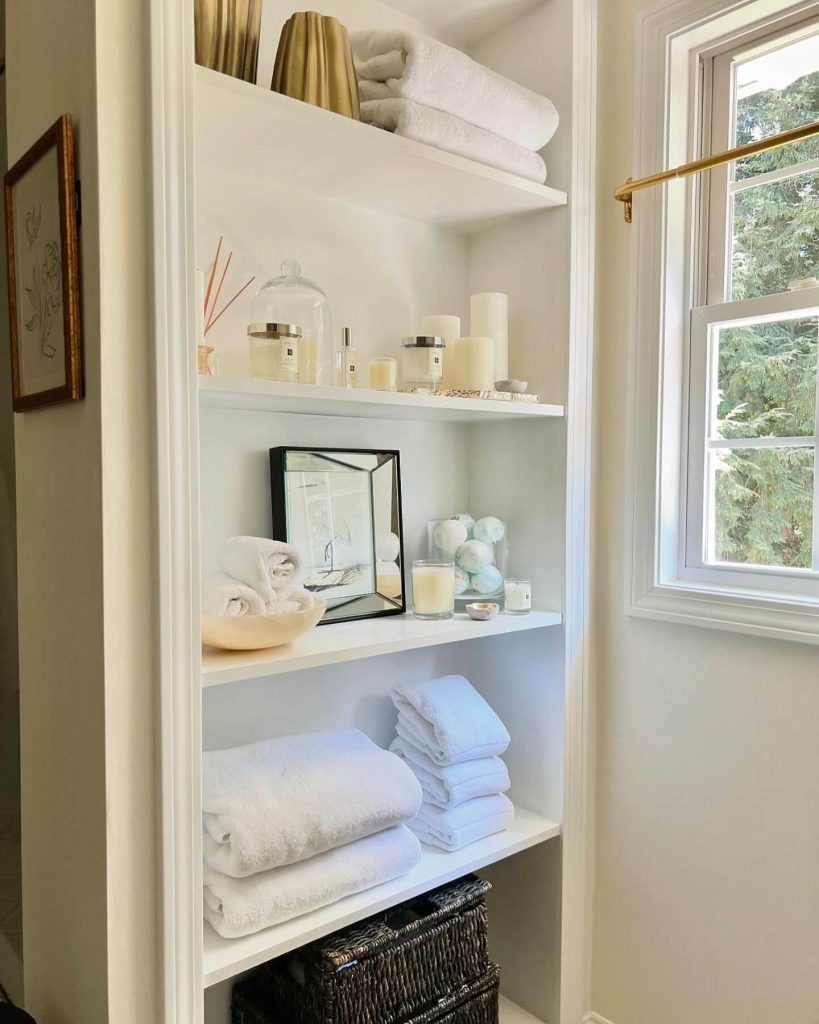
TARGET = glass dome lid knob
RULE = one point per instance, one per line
(291, 268)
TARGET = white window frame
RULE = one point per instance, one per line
(667, 278)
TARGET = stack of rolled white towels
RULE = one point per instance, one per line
(257, 577)
(296, 823)
(452, 740)
(420, 88)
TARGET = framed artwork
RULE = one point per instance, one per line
(341, 510)
(43, 270)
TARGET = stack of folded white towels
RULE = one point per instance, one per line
(257, 577)
(420, 88)
(294, 824)
(452, 740)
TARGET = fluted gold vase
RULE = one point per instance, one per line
(314, 63)
(227, 36)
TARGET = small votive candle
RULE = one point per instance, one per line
(383, 373)
(433, 589)
(474, 364)
(517, 596)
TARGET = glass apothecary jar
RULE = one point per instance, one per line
(274, 351)
(292, 299)
(480, 550)
(422, 363)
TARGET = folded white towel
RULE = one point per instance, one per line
(284, 800)
(456, 828)
(266, 565)
(450, 133)
(448, 720)
(455, 784)
(296, 599)
(241, 906)
(223, 595)
(399, 64)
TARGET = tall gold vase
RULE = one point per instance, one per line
(227, 36)
(314, 63)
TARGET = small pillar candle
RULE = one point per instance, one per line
(517, 596)
(490, 318)
(448, 328)
(383, 373)
(474, 364)
(433, 589)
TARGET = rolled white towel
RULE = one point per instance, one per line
(395, 64)
(265, 565)
(296, 600)
(455, 784)
(285, 800)
(448, 720)
(242, 906)
(453, 829)
(223, 595)
(445, 131)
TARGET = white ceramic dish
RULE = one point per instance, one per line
(482, 611)
(259, 632)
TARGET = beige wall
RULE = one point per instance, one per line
(84, 508)
(707, 848)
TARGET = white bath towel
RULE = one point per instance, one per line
(284, 800)
(266, 565)
(297, 599)
(450, 133)
(223, 595)
(396, 64)
(241, 906)
(452, 830)
(455, 784)
(448, 720)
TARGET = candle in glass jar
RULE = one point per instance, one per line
(474, 364)
(448, 328)
(518, 596)
(383, 373)
(433, 589)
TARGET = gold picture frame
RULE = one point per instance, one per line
(43, 272)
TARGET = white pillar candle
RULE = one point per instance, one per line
(490, 319)
(448, 328)
(383, 373)
(433, 589)
(474, 364)
(517, 596)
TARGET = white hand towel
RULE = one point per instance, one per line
(266, 565)
(449, 720)
(242, 906)
(395, 64)
(295, 600)
(457, 783)
(223, 595)
(452, 830)
(450, 133)
(285, 800)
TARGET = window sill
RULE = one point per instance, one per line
(718, 609)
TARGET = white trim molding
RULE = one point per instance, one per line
(595, 1018)
(669, 44)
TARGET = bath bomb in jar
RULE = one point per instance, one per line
(387, 547)
(474, 556)
(449, 535)
(461, 580)
(487, 581)
(490, 530)
(468, 521)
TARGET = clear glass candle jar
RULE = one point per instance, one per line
(382, 373)
(422, 362)
(517, 596)
(433, 589)
(274, 351)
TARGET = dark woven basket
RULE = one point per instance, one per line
(380, 971)
(473, 1004)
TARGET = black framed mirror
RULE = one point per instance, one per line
(341, 509)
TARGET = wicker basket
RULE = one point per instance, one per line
(384, 970)
(473, 1004)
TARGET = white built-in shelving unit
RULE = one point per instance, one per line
(391, 230)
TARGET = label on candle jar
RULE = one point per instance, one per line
(290, 356)
(435, 364)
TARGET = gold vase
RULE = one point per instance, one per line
(227, 36)
(314, 63)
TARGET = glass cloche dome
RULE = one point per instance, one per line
(292, 299)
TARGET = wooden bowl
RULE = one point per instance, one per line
(258, 632)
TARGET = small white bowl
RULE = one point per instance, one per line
(515, 387)
(259, 632)
(482, 611)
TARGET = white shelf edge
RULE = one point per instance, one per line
(354, 641)
(225, 958)
(511, 1013)
(319, 400)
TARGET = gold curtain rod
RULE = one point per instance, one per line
(625, 193)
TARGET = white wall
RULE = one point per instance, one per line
(706, 896)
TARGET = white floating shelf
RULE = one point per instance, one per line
(224, 958)
(510, 1013)
(291, 143)
(353, 641)
(317, 400)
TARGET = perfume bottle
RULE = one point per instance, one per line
(347, 361)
